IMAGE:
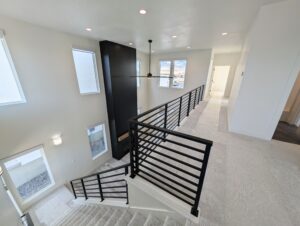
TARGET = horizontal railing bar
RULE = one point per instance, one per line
(117, 192)
(157, 107)
(91, 189)
(168, 178)
(93, 196)
(123, 186)
(170, 186)
(90, 185)
(170, 172)
(148, 146)
(172, 120)
(172, 127)
(170, 109)
(105, 171)
(92, 193)
(115, 197)
(153, 120)
(179, 144)
(152, 115)
(166, 190)
(85, 181)
(74, 183)
(172, 116)
(151, 137)
(172, 166)
(176, 160)
(118, 174)
(178, 134)
(109, 182)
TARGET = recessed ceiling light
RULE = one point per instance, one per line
(174, 36)
(88, 29)
(130, 43)
(224, 33)
(143, 11)
(188, 47)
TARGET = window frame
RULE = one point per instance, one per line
(14, 71)
(172, 72)
(105, 139)
(95, 69)
(12, 184)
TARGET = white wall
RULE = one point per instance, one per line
(8, 215)
(270, 61)
(196, 74)
(227, 59)
(43, 59)
(143, 90)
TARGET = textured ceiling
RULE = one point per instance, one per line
(196, 23)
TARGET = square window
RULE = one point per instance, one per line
(86, 71)
(10, 88)
(179, 73)
(30, 172)
(175, 69)
(165, 71)
(97, 139)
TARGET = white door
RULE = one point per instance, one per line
(219, 81)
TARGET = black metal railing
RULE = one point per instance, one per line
(105, 184)
(173, 161)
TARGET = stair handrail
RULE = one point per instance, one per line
(150, 130)
(82, 187)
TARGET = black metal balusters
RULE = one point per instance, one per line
(179, 112)
(156, 161)
(85, 195)
(100, 187)
(189, 104)
(73, 190)
(91, 186)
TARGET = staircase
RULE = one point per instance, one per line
(165, 165)
(104, 215)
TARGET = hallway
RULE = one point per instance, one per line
(248, 181)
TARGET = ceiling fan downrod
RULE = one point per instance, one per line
(149, 75)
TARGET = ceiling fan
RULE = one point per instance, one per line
(149, 75)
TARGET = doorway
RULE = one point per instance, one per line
(288, 128)
(219, 80)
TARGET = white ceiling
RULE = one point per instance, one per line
(197, 23)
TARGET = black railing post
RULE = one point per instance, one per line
(126, 170)
(132, 171)
(166, 119)
(202, 91)
(127, 193)
(136, 147)
(73, 190)
(100, 187)
(194, 209)
(198, 99)
(179, 113)
(189, 103)
(195, 98)
(84, 191)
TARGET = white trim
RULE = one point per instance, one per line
(14, 71)
(11, 183)
(105, 140)
(172, 72)
(95, 69)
